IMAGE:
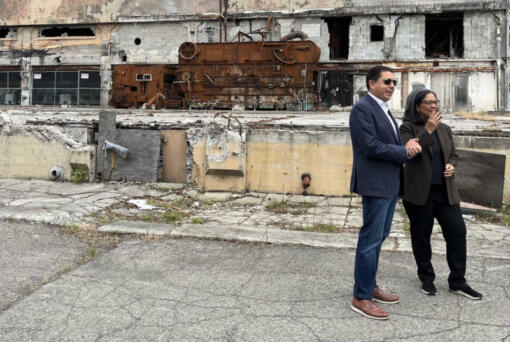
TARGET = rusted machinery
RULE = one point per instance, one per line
(255, 75)
(135, 85)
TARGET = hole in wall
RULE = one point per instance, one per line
(444, 35)
(376, 33)
(339, 37)
(138, 41)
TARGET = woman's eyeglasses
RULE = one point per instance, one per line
(431, 102)
(388, 81)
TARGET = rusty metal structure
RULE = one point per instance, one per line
(153, 85)
(255, 75)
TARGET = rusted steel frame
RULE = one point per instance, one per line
(10, 68)
(238, 36)
(228, 118)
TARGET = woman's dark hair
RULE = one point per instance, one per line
(413, 100)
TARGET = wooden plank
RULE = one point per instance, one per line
(174, 150)
(480, 177)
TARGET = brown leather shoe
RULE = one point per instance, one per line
(367, 308)
(382, 297)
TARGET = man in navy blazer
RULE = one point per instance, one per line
(378, 154)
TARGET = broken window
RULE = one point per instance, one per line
(339, 37)
(444, 35)
(67, 31)
(66, 88)
(7, 32)
(376, 33)
(10, 88)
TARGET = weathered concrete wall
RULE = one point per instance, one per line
(41, 12)
(480, 34)
(24, 156)
(158, 42)
(45, 50)
(219, 159)
(483, 91)
(410, 38)
(360, 46)
(277, 159)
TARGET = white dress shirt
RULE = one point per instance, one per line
(384, 107)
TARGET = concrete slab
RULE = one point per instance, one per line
(30, 255)
(181, 290)
(131, 227)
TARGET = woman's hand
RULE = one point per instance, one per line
(432, 122)
(449, 170)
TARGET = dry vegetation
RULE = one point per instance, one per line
(475, 116)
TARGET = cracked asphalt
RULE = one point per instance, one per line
(63, 279)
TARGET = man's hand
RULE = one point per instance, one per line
(433, 122)
(449, 170)
(413, 148)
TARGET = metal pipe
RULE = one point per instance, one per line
(221, 19)
(499, 84)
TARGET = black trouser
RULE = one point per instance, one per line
(452, 225)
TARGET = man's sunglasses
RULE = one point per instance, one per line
(389, 80)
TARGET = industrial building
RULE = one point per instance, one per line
(62, 52)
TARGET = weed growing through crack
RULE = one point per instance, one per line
(92, 252)
(171, 216)
(148, 216)
(322, 228)
(197, 220)
(284, 207)
(505, 219)
(78, 176)
(104, 220)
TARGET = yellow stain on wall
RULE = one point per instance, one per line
(277, 167)
(27, 157)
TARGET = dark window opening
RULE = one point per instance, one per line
(66, 88)
(444, 35)
(6, 32)
(67, 32)
(169, 80)
(339, 37)
(138, 41)
(10, 84)
(376, 33)
(336, 88)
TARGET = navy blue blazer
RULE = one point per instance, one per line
(378, 153)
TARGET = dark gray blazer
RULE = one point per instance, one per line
(418, 171)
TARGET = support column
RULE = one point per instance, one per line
(505, 100)
(106, 79)
(26, 81)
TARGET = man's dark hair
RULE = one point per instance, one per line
(375, 73)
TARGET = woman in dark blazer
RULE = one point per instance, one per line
(430, 192)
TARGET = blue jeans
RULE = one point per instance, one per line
(377, 217)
